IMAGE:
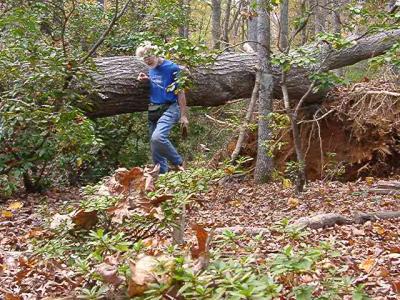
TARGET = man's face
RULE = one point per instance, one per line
(151, 61)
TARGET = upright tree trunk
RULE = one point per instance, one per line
(284, 24)
(184, 29)
(216, 23)
(337, 28)
(252, 28)
(264, 163)
(225, 36)
(319, 16)
(303, 11)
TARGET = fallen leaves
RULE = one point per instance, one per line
(84, 219)
(367, 264)
(143, 273)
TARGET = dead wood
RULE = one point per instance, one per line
(230, 77)
(319, 221)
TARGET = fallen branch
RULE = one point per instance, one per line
(331, 219)
(318, 221)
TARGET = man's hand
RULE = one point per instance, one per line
(142, 77)
(184, 126)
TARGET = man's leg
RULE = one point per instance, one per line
(159, 139)
(157, 157)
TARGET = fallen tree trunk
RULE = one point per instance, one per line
(230, 77)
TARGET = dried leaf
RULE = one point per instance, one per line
(9, 296)
(202, 237)
(369, 180)
(150, 178)
(383, 272)
(120, 211)
(61, 220)
(160, 199)
(293, 202)
(367, 264)
(15, 205)
(84, 219)
(143, 273)
(131, 179)
(7, 214)
(396, 286)
(379, 229)
(286, 183)
(109, 274)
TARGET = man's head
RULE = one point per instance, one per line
(147, 52)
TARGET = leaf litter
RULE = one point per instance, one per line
(369, 252)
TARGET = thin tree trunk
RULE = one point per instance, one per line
(264, 163)
(184, 29)
(252, 30)
(225, 37)
(337, 27)
(216, 23)
(247, 119)
(303, 11)
(284, 24)
(301, 171)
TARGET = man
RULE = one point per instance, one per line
(166, 106)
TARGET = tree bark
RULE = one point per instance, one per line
(231, 77)
(225, 36)
(264, 162)
(252, 29)
(284, 24)
(216, 23)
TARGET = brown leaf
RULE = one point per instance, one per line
(293, 202)
(109, 274)
(202, 237)
(15, 205)
(396, 286)
(9, 296)
(131, 179)
(160, 199)
(85, 219)
(394, 249)
(143, 273)
(120, 211)
(7, 214)
(151, 176)
(383, 272)
(367, 264)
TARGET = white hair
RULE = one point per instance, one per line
(146, 49)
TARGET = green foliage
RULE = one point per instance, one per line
(277, 123)
(292, 169)
(42, 128)
(325, 80)
(333, 169)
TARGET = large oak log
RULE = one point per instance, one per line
(230, 77)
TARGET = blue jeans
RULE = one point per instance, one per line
(162, 149)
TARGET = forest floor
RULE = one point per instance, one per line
(369, 252)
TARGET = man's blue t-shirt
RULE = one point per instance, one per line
(161, 78)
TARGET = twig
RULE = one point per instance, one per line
(116, 17)
(218, 121)
(316, 120)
